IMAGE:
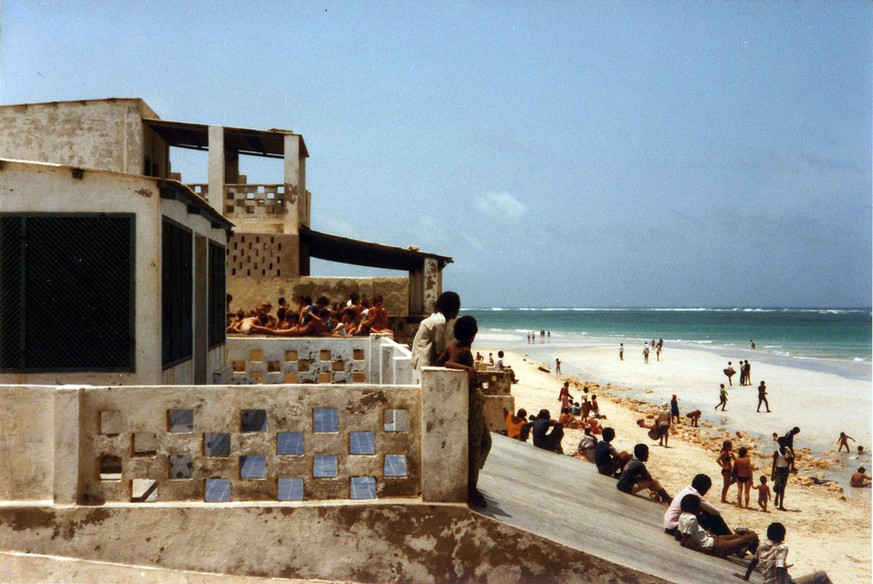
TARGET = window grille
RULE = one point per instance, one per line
(67, 292)
(177, 300)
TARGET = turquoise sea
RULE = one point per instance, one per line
(842, 334)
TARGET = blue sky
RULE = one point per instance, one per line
(563, 153)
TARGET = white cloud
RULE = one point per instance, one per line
(500, 205)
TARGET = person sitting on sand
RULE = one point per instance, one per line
(544, 439)
(594, 426)
(587, 445)
(517, 426)
(576, 409)
(635, 477)
(860, 478)
(742, 471)
(722, 397)
(844, 441)
(595, 407)
(708, 516)
(763, 493)
(694, 418)
(771, 559)
(568, 420)
(459, 356)
(608, 460)
(694, 537)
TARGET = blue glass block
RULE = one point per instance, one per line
(396, 421)
(363, 488)
(324, 467)
(290, 489)
(181, 420)
(253, 420)
(289, 443)
(253, 467)
(217, 490)
(362, 443)
(216, 444)
(325, 421)
(395, 465)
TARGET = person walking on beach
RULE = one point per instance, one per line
(779, 473)
(646, 353)
(662, 423)
(557, 366)
(621, 351)
(726, 461)
(722, 396)
(762, 397)
(763, 493)
(674, 408)
(730, 372)
(844, 441)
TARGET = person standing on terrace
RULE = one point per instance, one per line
(458, 355)
(435, 332)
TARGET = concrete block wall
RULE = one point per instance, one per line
(271, 360)
(220, 444)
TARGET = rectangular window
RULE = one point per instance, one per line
(177, 300)
(67, 292)
(217, 298)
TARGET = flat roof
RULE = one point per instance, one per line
(364, 253)
(269, 143)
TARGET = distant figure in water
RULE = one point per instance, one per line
(844, 441)
(753, 343)
(621, 351)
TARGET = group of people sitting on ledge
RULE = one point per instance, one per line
(358, 316)
(694, 522)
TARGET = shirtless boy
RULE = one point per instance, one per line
(763, 493)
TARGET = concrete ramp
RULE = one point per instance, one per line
(565, 500)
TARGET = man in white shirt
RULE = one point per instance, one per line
(694, 536)
(435, 332)
(709, 516)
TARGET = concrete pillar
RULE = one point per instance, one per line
(444, 442)
(66, 454)
(296, 206)
(216, 168)
(432, 285)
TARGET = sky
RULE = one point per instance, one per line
(601, 154)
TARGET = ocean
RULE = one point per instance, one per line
(820, 334)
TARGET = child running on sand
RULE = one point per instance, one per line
(763, 493)
(722, 397)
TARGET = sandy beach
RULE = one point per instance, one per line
(829, 525)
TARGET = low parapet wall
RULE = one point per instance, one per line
(219, 444)
(374, 359)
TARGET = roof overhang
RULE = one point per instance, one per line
(364, 253)
(269, 143)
